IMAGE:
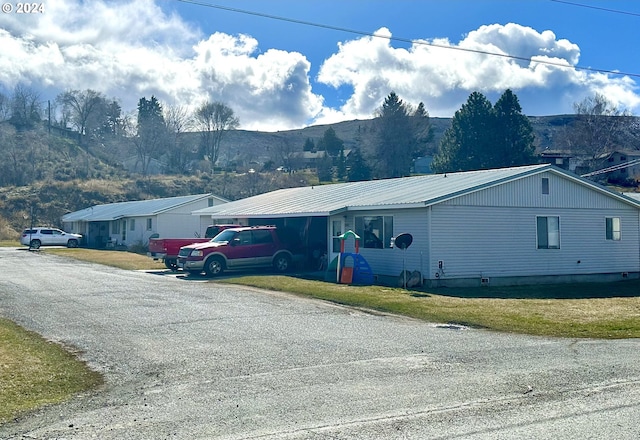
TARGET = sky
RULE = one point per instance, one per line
(287, 64)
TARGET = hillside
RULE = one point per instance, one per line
(58, 176)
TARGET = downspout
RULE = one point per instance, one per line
(429, 244)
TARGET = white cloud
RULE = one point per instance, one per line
(130, 49)
(442, 74)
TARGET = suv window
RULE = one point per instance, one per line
(30, 231)
(243, 238)
(46, 232)
(262, 237)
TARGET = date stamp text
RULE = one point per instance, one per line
(22, 8)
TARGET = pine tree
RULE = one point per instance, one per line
(357, 167)
(514, 134)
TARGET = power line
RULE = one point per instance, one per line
(407, 40)
(597, 7)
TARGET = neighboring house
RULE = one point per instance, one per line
(624, 165)
(310, 159)
(530, 224)
(128, 223)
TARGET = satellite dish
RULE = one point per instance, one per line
(403, 241)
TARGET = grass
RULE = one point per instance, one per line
(606, 311)
(35, 372)
(9, 243)
(120, 259)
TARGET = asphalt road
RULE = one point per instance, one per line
(187, 359)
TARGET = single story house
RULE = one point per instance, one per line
(520, 225)
(127, 223)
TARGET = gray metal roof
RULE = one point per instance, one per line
(138, 208)
(407, 192)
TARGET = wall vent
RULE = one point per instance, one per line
(484, 281)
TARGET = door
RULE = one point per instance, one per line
(337, 229)
(239, 251)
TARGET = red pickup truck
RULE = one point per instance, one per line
(243, 248)
(166, 249)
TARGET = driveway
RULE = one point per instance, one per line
(191, 359)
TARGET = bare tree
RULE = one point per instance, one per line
(178, 120)
(213, 119)
(85, 110)
(5, 107)
(598, 129)
(26, 108)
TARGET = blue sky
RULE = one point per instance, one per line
(279, 74)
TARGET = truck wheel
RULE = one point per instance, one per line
(214, 266)
(282, 263)
(171, 263)
(35, 244)
(72, 243)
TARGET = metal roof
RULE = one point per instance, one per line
(407, 192)
(138, 208)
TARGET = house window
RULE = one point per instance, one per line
(612, 227)
(375, 231)
(548, 230)
(559, 161)
(545, 185)
(210, 202)
(149, 224)
(336, 231)
(115, 227)
(132, 224)
(124, 230)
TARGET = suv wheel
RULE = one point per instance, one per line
(35, 244)
(282, 263)
(214, 266)
(72, 243)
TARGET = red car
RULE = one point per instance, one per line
(242, 248)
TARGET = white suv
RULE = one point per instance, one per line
(36, 237)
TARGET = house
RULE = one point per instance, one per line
(128, 223)
(521, 225)
(623, 165)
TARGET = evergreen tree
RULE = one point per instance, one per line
(357, 167)
(330, 142)
(324, 168)
(467, 143)
(151, 136)
(398, 130)
(341, 166)
(514, 134)
(309, 145)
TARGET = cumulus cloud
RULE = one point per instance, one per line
(130, 49)
(442, 74)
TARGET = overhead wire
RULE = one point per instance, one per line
(408, 40)
(599, 8)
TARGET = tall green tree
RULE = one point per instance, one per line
(330, 142)
(151, 136)
(357, 167)
(309, 145)
(483, 136)
(467, 143)
(401, 136)
(514, 138)
(213, 120)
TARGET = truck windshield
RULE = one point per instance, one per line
(226, 235)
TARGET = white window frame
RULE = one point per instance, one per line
(613, 228)
(551, 228)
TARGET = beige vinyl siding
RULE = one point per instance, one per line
(496, 241)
